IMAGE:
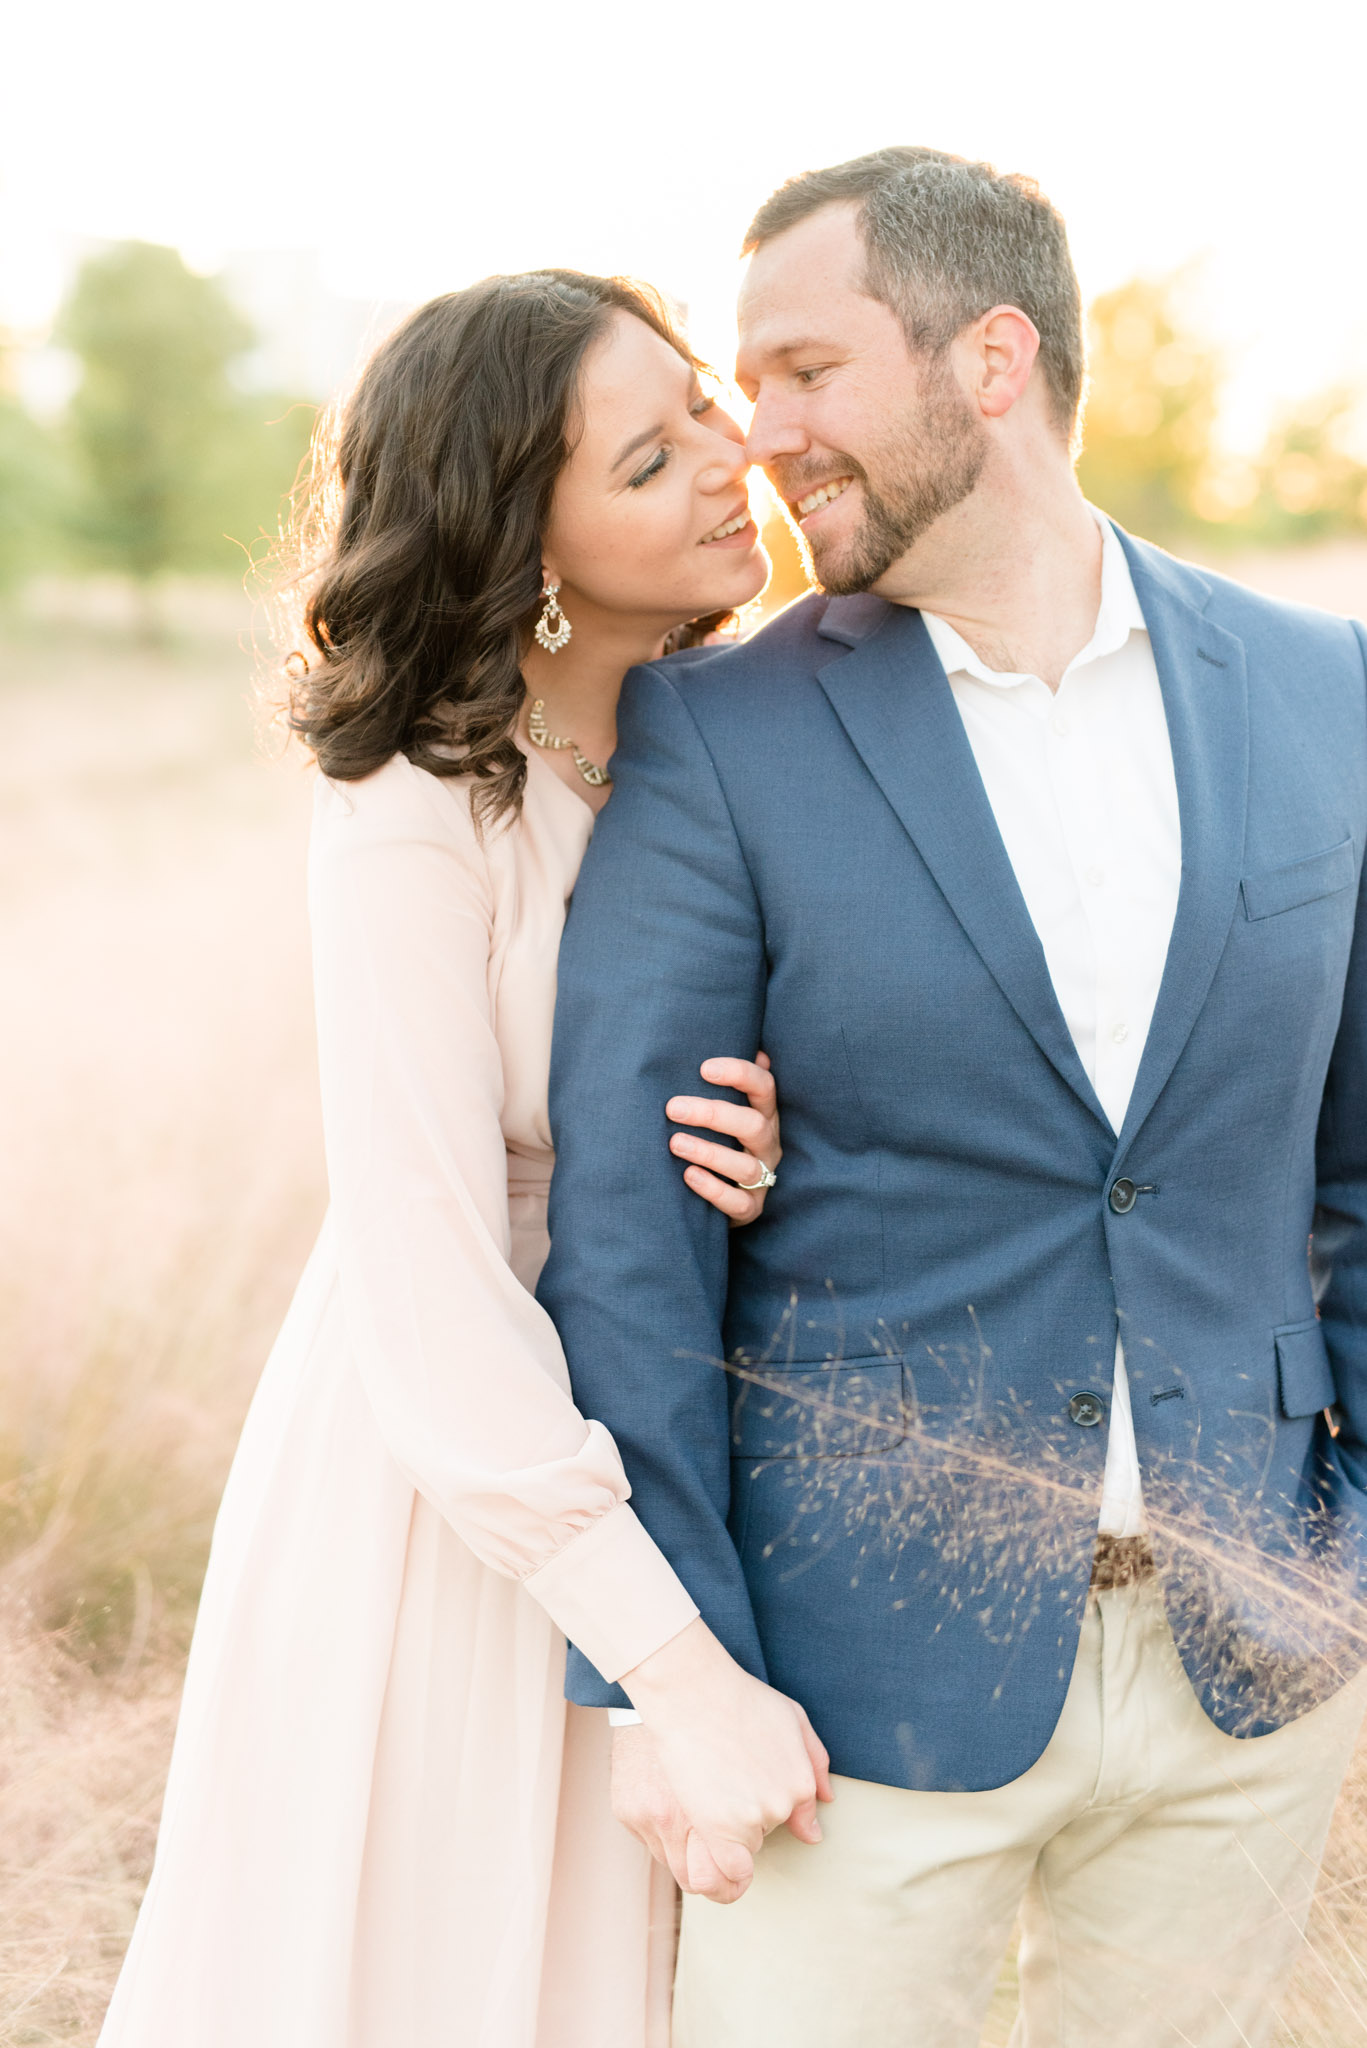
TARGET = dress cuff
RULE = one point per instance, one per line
(613, 1592)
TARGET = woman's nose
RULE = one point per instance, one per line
(729, 466)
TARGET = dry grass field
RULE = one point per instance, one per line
(160, 1183)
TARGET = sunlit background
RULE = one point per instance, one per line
(206, 216)
(329, 168)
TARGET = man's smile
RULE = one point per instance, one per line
(824, 494)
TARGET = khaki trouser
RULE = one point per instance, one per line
(1162, 1873)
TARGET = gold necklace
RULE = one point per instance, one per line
(596, 777)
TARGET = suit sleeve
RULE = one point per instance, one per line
(662, 966)
(1341, 1197)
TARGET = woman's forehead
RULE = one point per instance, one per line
(629, 374)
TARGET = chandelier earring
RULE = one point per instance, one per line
(553, 629)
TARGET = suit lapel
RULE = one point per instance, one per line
(891, 696)
(1202, 673)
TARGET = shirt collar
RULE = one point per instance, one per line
(1118, 615)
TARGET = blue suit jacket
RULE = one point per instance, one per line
(852, 1427)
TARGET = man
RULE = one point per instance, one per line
(1032, 857)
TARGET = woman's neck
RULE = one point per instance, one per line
(580, 686)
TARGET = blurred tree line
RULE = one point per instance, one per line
(162, 461)
(1150, 456)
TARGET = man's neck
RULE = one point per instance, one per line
(1015, 569)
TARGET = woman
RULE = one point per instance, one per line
(383, 1828)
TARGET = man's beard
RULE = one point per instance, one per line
(933, 464)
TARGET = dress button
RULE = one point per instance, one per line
(1119, 1033)
(1086, 1410)
(1122, 1196)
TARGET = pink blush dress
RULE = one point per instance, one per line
(383, 1826)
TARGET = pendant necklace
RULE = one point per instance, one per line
(596, 777)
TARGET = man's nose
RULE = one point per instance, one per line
(775, 430)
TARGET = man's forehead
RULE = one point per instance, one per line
(793, 282)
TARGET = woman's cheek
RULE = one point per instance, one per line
(661, 544)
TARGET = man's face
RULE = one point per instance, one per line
(867, 444)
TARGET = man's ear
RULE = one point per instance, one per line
(1005, 343)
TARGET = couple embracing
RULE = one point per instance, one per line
(956, 1525)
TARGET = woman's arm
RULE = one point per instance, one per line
(463, 1369)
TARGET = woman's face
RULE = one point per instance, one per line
(651, 519)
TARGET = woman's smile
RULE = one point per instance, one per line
(738, 529)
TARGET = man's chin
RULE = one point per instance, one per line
(845, 568)
(837, 573)
(828, 566)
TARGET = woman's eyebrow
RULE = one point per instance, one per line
(637, 442)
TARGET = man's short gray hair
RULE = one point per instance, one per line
(945, 241)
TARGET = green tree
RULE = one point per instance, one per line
(253, 468)
(30, 487)
(155, 400)
(1312, 484)
(1150, 456)
(1154, 389)
(177, 467)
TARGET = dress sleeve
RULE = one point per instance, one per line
(462, 1367)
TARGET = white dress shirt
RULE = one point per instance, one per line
(1081, 784)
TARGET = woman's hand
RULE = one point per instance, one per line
(720, 1759)
(717, 1172)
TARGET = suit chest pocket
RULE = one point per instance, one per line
(1275, 890)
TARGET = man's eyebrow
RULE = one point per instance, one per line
(804, 345)
(637, 442)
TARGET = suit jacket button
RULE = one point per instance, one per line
(1086, 1410)
(1122, 1196)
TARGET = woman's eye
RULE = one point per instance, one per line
(702, 404)
(651, 469)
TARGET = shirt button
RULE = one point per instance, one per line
(1095, 877)
(1059, 724)
(1122, 1197)
(1119, 1033)
(1086, 1410)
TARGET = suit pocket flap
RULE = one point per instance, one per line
(849, 1410)
(1303, 1370)
(1277, 889)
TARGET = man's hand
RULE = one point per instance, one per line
(720, 1760)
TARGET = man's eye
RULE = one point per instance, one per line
(809, 376)
(651, 469)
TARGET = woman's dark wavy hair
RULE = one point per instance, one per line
(424, 518)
